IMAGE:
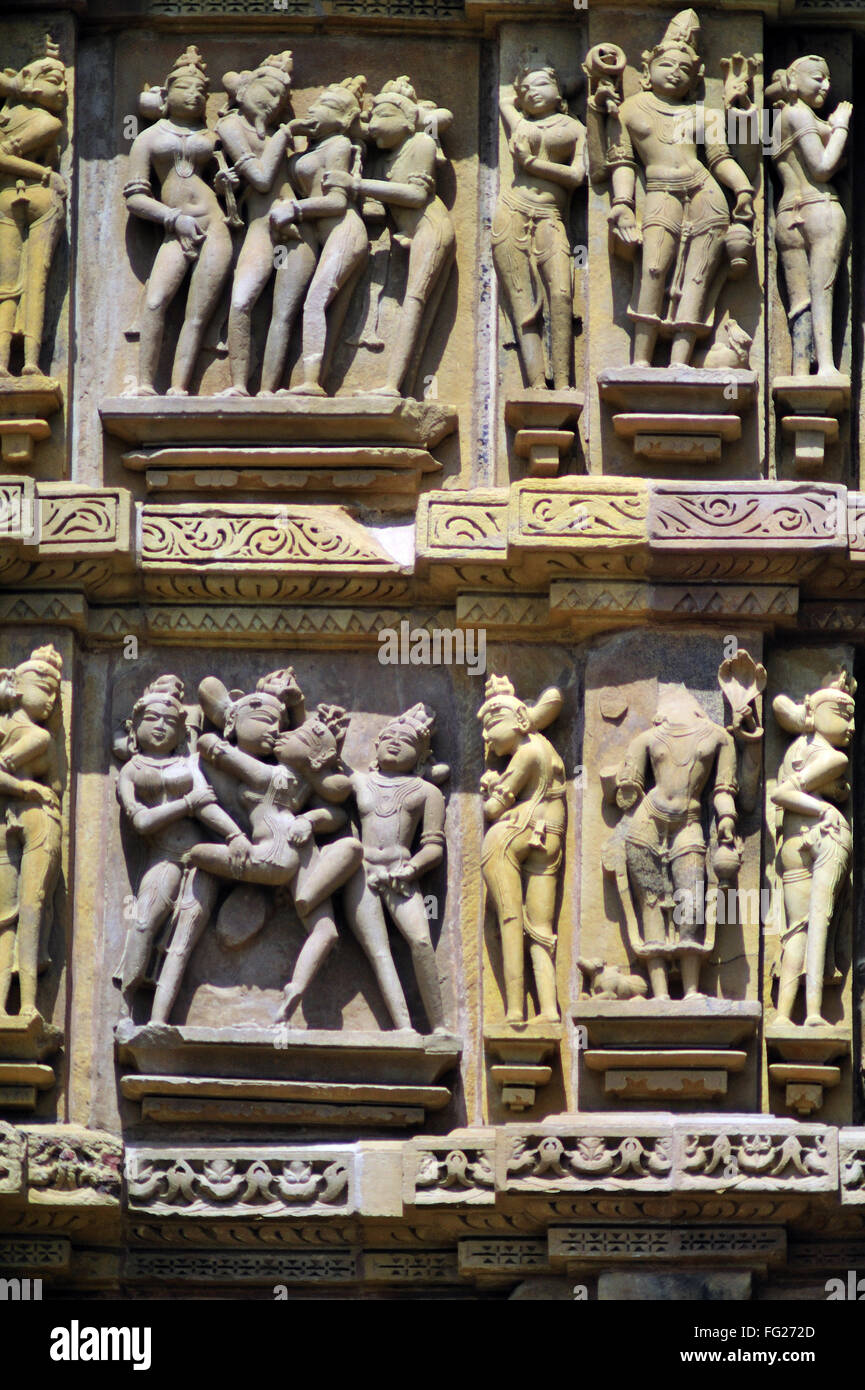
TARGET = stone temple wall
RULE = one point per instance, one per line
(432, 598)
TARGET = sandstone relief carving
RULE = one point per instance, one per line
(815, 841)
(688, 241)
(293, 193)
(810, 223)
(32, 200)
(402, 177)
(658, 855)
(30, 799)
(531, 242)
(324, 235)
(524, 798)
(179, 153)
(255, 140)
(396, 799)
(233, 813)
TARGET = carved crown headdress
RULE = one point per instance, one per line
(682, 34)
(190, 62)
(165, 690)
(44, 662)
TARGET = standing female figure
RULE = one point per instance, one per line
(29, 819)
(32, 199)
(256, 144)
(531, 247)
(404, 179)
(326, 241)
(179, 150)
(165, 795)
(810, 224)
(815, 839)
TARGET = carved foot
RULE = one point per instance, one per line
(30, 369)
(815, 1021)
(266, 393)
(514, 1016)
(291, 998)
(177, 391)
(381, 391)
(307, 388)
(141, 391)
(234, 391)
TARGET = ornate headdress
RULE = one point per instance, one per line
(399, 92)
(681, 35)
(190, 63)
(165, 690)
(419, 723)
(46, 664)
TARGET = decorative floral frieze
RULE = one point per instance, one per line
(262, 1182)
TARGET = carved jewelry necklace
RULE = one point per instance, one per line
(184, 167)
(390, 794)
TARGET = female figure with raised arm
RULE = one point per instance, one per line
(404, 179)
(810, 224)
(531, 247)
(167, 799)
(815, 839)
(179, 150)
(395, 800)
(29, 819)
(32, 199)
(326, 243)
(256, 144)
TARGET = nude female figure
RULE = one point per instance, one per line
(179, 151)
(256, 144)
(325, 241)
(531, 247)
(810, 224)
(282, 850)
(815, 840)
(29, 820)
(32, 200)
(403, 177)
(167, 799)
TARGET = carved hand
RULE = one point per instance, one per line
(212, 747)
(524, 155)
(623, 225)
(840, 118)
(744, 209)
(726, 829)
(200, 797)
(186, 226)
(35, 791)
(300, 832)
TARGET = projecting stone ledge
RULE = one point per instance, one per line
(356, 444)
(285, 1076)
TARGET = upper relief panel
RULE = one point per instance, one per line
(289, 228)
(675, 244)
(36, 117)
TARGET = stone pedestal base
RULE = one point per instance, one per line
(678, 414)
(24, 1072)
(25, 404)
(666, 1050)
(815, 406)
(545, 424)
(361, 445)
(810, 1062)
(521, 1056)
(280, 1076)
